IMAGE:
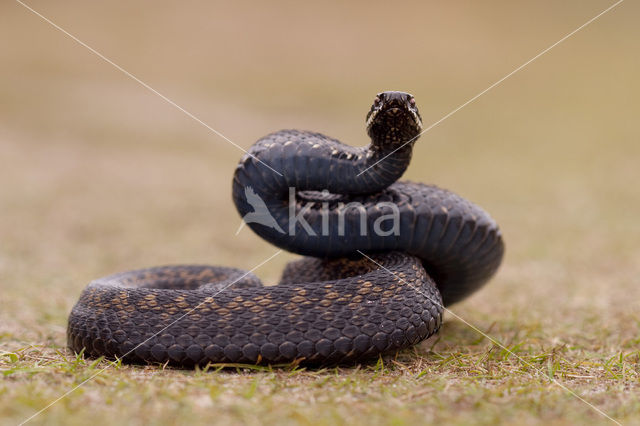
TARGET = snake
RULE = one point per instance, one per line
(381, 261)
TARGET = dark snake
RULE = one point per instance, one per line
(387, 256)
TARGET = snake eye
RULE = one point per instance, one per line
(412, 101)
(376, 101)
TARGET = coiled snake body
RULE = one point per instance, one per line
(387, 256)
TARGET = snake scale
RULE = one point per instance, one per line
(383, 258)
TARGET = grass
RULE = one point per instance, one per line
(98, 175)
(457, 378)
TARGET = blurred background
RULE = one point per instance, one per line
(98, 174)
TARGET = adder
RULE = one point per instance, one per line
(382, 260)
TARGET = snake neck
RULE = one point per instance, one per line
(309, 161)
(384, 163)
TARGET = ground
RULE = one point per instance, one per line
(98, 175)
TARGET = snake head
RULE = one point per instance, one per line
(393, 120)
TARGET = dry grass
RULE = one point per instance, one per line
(98, 175)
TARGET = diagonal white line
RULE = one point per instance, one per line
(495, 342)
(142, 83)
(145, 341)
(240, 227)
(495, 84)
